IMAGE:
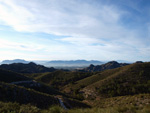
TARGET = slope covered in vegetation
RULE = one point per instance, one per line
(60, 78)
(97, 76)
(128, 80)
(9, 107)
(9, 76)
(119, 90)
(26, 68)
(13, 93)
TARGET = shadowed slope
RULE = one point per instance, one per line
(9, 76)
(26, 68)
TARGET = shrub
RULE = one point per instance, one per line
(29, 109)
(9, 107)
(56, 109)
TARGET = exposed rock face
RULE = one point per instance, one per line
(109, 65)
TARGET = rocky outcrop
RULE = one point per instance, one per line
(109, 65)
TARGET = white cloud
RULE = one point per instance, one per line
(19, 46)
(57, 17)
(92, 28)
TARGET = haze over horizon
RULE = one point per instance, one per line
(75, 29)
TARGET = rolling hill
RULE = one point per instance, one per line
(21, 80)
(128, 80)
(9, 76)
(16, 87)
(60, 78)
(26, 68)
(13, 93)
(97, 76)
(115, 85)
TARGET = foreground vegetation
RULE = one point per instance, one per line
(123, 104)
(17, 108)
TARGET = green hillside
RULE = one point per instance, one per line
(130, 100)
(12, 77)
(128, 80)
(120, 90)
(124, 104)
(60, 78)
(13, 93)
(90, 80)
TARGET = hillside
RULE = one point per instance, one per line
(26, 68)
(13, 93)
(109, 65)
(127, 80)
(9, 76)
(60, 78)
(24, 90)
(124, 104)
(123, 86)
(97, 76)
(21, 80)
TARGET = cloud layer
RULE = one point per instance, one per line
(89, 29)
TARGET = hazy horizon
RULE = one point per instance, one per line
(102, 61)
(102, 30)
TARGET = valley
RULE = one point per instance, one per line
(111, 87)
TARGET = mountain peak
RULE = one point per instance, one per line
(32, 63)
(109, 65)
(113, 62)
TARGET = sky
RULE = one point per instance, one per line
(75, 29)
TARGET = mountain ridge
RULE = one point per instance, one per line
(108, 65)
(27, 68)
(14, 61)
(56, 63)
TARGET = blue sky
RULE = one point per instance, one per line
(75, 29)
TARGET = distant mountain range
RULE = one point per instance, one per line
(72, 63)
(58, 63)
(14, 61)
(95, 65)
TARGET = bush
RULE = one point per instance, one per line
(17, 108)
(9, 107)
(29, 109)
(56, 109)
